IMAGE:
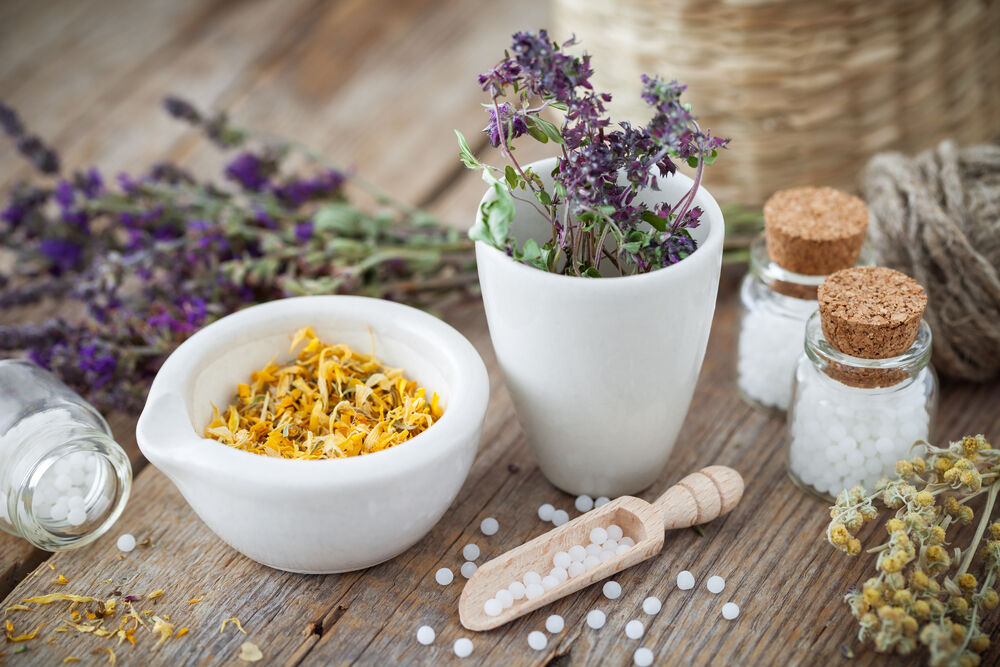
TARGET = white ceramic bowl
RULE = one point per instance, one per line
(317, 516)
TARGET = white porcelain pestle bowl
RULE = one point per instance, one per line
(317, 516)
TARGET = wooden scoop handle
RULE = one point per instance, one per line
(700, 497)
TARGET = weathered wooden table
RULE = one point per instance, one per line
(379, 84)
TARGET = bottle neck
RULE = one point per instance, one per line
(65, 484)
(788, 283)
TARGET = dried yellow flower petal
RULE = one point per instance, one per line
(71, 658)
(181, 632)
(11, 637)
(155, 594)
(329, 402)
(112, 660)
(250, 653)
(58, 597)
(195, 600)
(60, 580)
(17, 607)
(235, 621)
(162, 628)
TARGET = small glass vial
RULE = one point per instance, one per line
(852, 417)
(809, 233)
(64, 481)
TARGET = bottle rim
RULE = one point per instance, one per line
(772, 274)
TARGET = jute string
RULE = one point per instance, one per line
(936, 217)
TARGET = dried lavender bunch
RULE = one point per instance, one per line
(164, 253)
(923, 592)
(600, 170)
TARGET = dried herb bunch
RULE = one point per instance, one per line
(600, 170)
(928, 590)
(164, 253)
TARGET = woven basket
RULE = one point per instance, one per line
(808, 90)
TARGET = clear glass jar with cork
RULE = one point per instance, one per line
(809, 233)
(64, 480)
(865, 392)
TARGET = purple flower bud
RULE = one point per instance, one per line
(304, 231)
(249, 171)
(182, 110)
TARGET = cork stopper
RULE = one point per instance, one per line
(815, 231)
(871, 312)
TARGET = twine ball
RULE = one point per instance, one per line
(936, 218)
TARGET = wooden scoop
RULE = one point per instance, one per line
(699, 497)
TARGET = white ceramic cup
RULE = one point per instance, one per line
(602, 370)
(329, 515)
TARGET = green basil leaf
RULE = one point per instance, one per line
(657, 222)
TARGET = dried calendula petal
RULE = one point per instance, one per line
(235, 621)
(11, 637)
(329, 402)
(162, 628)
(155, 594)
(71, 658)
(112, 660)
(195, 600)
(249, 652)
(17, 607)
(60, 580)
(57, 597)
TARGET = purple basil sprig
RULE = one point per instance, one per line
(153, 257)
(600, 170)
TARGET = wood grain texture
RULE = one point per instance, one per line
(380, 85)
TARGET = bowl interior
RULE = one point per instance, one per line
(231, 357)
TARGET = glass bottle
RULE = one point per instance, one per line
(852, 419)
(776, 305)
(64, 481)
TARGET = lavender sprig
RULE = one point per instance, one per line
(600, 170)
(154, 257)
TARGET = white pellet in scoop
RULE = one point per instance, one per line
(615, 532)
(425, 635)
(584, 503)
(559, 573)
(516, 589)
(603, 500)
(596, 619)
(575, 569)
(126, 542)
(612, 590)
(685, 581)
(627, 540)
(555, 624)
(532, 591)
(537, 640)
(559, 517)
(471, 551)
(532, 577)
(444, 576)
(505, 597)
(577, 552)
(493, 607)
(651, 605)
(730, 610)
(598, 535)
(545, 512)
(621, 548)
(643, 657)
(549, 582)
(562, 559)
(591, 562)
(715, 584)
(634, 629)
(463, 647)
(468, 569)
(489, 526)
(593, 549)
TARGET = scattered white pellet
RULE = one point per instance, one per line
(469, 568)
(126, 542)
(615, 532)
(559, 517)
(425, 635)
(575, 569)
(444, 576)
(489, 526)
(516, 589)
(602, 500)
(555, 624)
(715, 584)
(549, 582)
(577, 552)
(634, 629)
(505, 597)
(545, 512)
(493, 607)
(532, 578)
(730, 610)
(584, 503)
(612, 590)
(562, 559)
(463, 647)
(471, 551)
(596, 619)
(537, 640)
(651, 605)
(642, 657)
(598, 535)
(685, 581)
(532, 591)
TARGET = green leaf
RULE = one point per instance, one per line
(493, 225)
(657, 222)
(511, 176)
(465, 153)
(536, 131)
(531, 251)
(549, 129)
(591, 272)
(693, 162)
(543, 198)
